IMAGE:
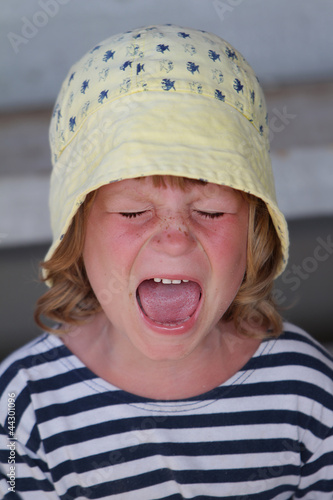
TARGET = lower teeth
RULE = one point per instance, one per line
(171, 324)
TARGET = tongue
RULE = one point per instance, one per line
(169, 303)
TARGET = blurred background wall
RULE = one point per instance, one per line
(289, 43)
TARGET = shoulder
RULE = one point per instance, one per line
(299, 364)
(293, 376)
(295, 340)
(36, 360)
(29, 360)
(18, 374)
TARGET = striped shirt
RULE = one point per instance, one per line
(266, 433)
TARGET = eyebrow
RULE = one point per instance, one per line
(126, 195)
(133, 194)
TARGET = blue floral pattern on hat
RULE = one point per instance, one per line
(140, 60)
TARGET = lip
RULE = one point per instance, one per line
(177, 329)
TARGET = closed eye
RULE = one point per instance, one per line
(132, 215)
(210, 215)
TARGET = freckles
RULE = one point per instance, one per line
(185, 233)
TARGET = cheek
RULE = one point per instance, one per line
(104, 270)
(238, 249)
(231, 240)
(108, 254)
(229, 252)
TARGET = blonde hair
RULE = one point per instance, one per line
(71, 300)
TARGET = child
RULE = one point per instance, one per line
(169, 373)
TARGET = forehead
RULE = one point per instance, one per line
(146, 187)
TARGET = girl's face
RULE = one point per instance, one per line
(139, 234)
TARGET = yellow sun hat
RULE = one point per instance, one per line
(160, 100)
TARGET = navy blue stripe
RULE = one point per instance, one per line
(31, 484)
(324, 485)
(60, 381)
(313, 467)
(267, 494)
(20, 459)
(4, 456)
(22, 401)
(178, 496)
(219, 449)
(297, 387)
(291, 359)
(32, 361)
(246, 418)
(78, 405)
(34, 441)
(160, 476)
(289, 335)
(285, 387)
(233, 475)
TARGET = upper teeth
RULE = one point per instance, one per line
(166, 281)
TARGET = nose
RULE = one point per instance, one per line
(173, 237)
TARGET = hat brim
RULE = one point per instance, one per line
(177, 134)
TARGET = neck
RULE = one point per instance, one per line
(201, 371)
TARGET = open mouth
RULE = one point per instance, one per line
(168, 302)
